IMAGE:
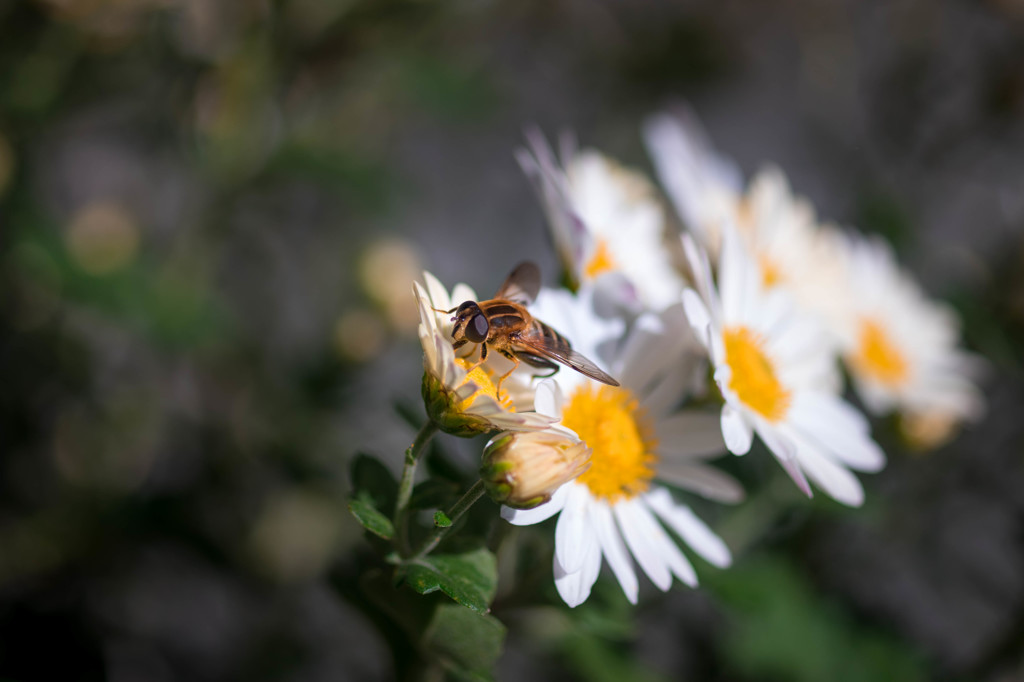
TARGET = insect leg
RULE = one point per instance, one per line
(483, 353)
(511, 356)
(446, 312)
(540, 362)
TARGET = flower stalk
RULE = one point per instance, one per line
(458, 509)
(405, 486)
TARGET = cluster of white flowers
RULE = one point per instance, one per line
(738, 326)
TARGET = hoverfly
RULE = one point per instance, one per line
(503, 323)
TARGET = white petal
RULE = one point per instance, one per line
(691, 434)
(573, 530)
(835, 426)
(736, 278)
(528, 517)
(613, 549)
(438, 294)
(445, 358)
(736, 431)
(653, 549)
(833, 478)
(704, 480)
(785, 449)
(674, 557)
(548, 398)
(644, 548)
(462, 293)
(698, 316)
(574, 588)
(701, 269)
(646, 343)
(670, 388)
(526, 421)
(690, 528)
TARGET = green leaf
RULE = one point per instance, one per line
(469, 579)
(467, 644)
(371, 519)
(373, 483)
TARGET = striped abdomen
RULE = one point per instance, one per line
(505, 317)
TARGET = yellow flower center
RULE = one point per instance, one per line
(600, 262)
(877, 356)
(771, 274)
(753, 374)
(612, 423)
(485, 386)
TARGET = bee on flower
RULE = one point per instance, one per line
(617, 510)
(607, 224)
(774, 367)
(461, 394)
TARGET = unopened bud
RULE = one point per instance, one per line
(524, 469)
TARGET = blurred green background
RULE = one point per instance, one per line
(210, 217)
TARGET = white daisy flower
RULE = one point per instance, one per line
(781, 233)
(899, 346)
(778, 228)
(704, 187)
(607, 224)
(793, 253)
(460, 394)
(772, 366)
(616, 510)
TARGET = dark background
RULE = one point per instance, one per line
(210, 218)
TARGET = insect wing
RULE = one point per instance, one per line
(522, 285)
(545, 342)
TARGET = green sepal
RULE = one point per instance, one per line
(442, 408)
(469, 579)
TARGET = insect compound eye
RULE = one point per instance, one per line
(477, 328)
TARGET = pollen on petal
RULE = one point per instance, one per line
(476, 374)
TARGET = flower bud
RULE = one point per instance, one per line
(524, 469)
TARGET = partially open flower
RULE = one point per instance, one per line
(607, 224)
(523, 470)
(460, 394)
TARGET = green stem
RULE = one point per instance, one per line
(458, 509)
(405, 486)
